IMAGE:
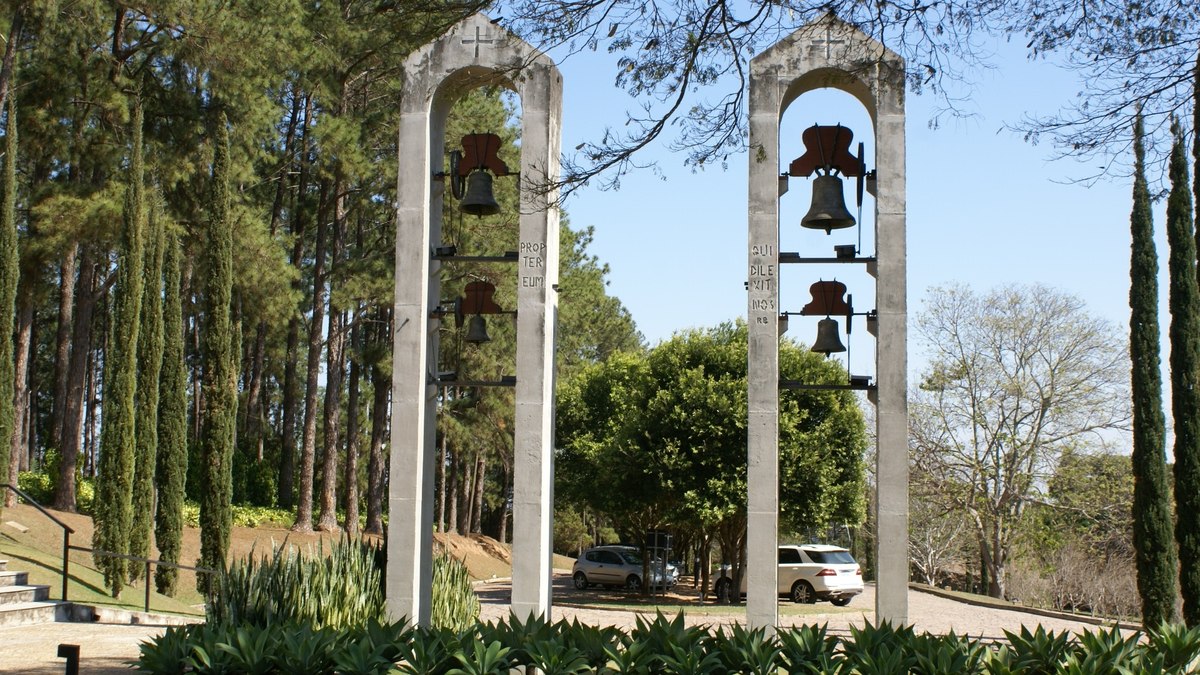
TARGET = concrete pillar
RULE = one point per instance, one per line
(537, 311)
(762, 374)
(472, 53)
(827, 53)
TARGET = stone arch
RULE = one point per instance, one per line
(472, 53)
(827, 53)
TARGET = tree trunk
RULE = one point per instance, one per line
(79, 383)
(287, 449)
(351, 480)
(502, 530)
(10, 52)
(477, 497)
(19, 450)
(379, 417)
(93, 375)
(466, 484)
(62, 340)
(308, 447)
(335, 368)
(287, 455)
(439, 469)
(452, 490)
(254, 422)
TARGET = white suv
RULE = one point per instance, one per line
(808, 573)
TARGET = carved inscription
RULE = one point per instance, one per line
(533, 264)
(761, 282)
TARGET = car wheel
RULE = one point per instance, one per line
(723, 591)
(840, 602)
(802, 593)
(581, 582)
(633, 583)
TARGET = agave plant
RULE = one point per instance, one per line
(664, 636)
(937, 654)
(880, 648)
(168, 653)
(428, 651)
(1178, 645)
(481, 659)
(745, 650)
(810, 649)
(592, 642)
(628, 657)
(1040, 652)
(305, 650)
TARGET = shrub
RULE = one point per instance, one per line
(659, 646)
(455, 605)
(339, 590)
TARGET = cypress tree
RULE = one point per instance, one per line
(1152, 540)
(1185, 359)
(171, 471)
(219, 368)
(112, 512)
(9, 275)
(150, 352)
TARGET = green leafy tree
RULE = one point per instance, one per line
(114, 489)
(220, 365)
(658, 438)
(171, 470)
(150, 355)
(9, 277)
(1152, 519)
(1184, 301)
(1015, 377)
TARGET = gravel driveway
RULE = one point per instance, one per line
(927, 612)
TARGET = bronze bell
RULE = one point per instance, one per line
(478, 199)
(477, 330)
(828, 341)
(828, 211)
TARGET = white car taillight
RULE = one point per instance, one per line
(827, 572)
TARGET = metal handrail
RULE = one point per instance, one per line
(67, 548)
(147, 562)
(67, 532)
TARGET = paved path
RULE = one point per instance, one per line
(104, 649)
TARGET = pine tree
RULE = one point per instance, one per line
(114, 488)
(9, 275)
(1185, 360)
(150, 353)
(1152, 540)
(171, 472)
(220, 370)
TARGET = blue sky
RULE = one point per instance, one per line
(985, 208)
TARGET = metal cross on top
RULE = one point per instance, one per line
(479, 39)
(829, 42)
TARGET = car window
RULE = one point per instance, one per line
(632, 558)
(592, 556)
(608, 558)
(831, 557)
(789, 556)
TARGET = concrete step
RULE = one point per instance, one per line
(27, 613)
(13, 578)
(3, 565)
(15, 595)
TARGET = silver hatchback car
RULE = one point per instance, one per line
(618, 566)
